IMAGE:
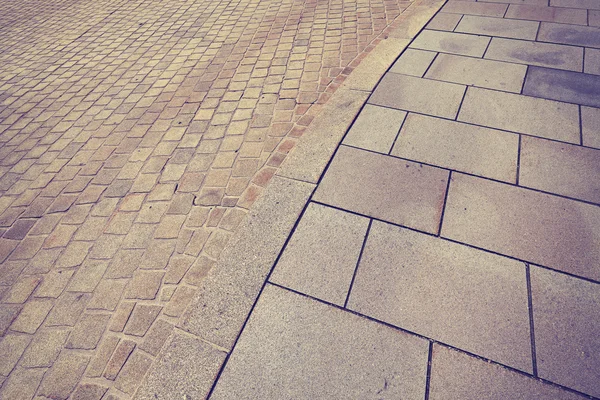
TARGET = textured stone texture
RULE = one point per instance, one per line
(572, 87)
(375, 128)
(498, 27)
(454, 43)
(414, 62)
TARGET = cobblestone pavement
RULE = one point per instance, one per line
(134, 137)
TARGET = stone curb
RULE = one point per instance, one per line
(191, 359)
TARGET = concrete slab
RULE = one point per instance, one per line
(489, 74)
(414, 62)
(384, 187)
(508, 28)
(472, 8)
(541, 228)
(456, 375)
(590, 126)
(566, 319)
(450, 42)
(462, 147)
(375, 128)
(549, 14)
(567, 86)
(523, 114)
(569, 34)
(591, 64)
(468, 298)
(295, 347)
(321, 256)
(534, 53)
(417, 94)
(560, 168)
(590, 4)
(444, 21)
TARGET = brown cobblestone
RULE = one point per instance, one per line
(141, 318)
(32, 315)
(12, 347)
(121, 317)
(60, 381)
(102, 356)
(118, 359)
(45, 348)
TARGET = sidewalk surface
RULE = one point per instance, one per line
(432, 236)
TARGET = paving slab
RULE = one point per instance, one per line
(548, 14)
(473, 8)
(413, 62)
(321, 256)
(461, 296)
(456, 375)
(476, 150)
(444, 21)
(590, 126)
(590, 4)
(525, 224)
(450, 42)
(498, 27)
(375, 128)
(591, 64)
(560, 168)
(523, 114)
(566, 320)
(489, 74)
(384, 187)
(569, 34)
(535, 53)
(417, 94)
(572, 87)
(299, 348)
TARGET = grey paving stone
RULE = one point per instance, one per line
(590, 126)
(186, 370)
(560, 168)
(594, 18)
(450, 42)
(591, 4)
(540, 228)
(321, 256)
(375, 128)
(508, 28)
(413, 62)
(534, 53)
(532, 2)
(417, 94)
(464, 297)
(462, 147)
(591, 63)
(572, 87)
(295, 347)
(566, 320)
(549, 14)
(472, 8)
(456, 375)
(478, 72)
(523, 114)
(227, 293)
(569, 34)
(384, 187)
(444, 22)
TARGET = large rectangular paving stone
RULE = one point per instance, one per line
(572, 87)
(590, 126)
(535, 53)
(464, 297)
(560, 168)
(549, 14)
(540, 228)
(508, 28)
(566, 320)
(456, 375)
(569, 34)
(450, 42)
(462, 147)
(321, 256)
(478, 72)
(375, 128)
(425, 96)
(444, 21)
(384, 187)
(592, 61)
(523, 114)
(472, 8)
(590, 4)
(295, 347)
(413, 62)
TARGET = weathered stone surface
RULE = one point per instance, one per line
(572, 87)
(60, 381)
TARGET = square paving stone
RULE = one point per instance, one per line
(468, 298)
(560, 168)
(463, 147)
(566, 322)
(549, 14)
(456, 375)
(572, 87)
(384, 187)
(541, 228)
(425, 96)
(523, 114)
(590, 126)
(470, 7)
(414, 62)
(295, 347)
(321, 256)
(534, 53)
(477, 72)
(569, 34)
(444, 21)
(508, 28)
(449, 42)
(375, 128)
